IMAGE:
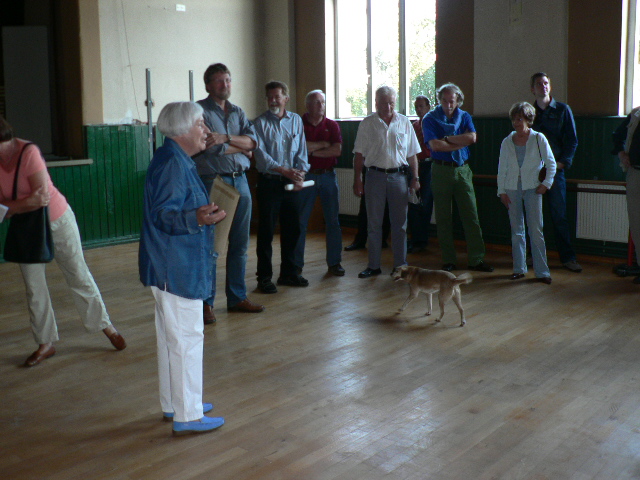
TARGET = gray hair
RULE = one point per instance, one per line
(314, 92)
(451, 87)
(177, 118)
(386, 91)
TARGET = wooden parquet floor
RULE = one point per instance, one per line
(330, 383)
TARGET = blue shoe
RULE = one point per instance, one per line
(168, 416)
(205, 424)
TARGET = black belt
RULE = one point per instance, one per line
(636, 167)
(448, 164)
(320, 171)
(271, 176)
(233, 174)
(389, 170)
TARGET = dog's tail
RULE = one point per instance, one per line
(463, 279)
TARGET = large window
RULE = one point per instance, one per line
(382, 42)
(630, 55)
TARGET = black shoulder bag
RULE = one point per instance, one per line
(542, 174)
(29, 238)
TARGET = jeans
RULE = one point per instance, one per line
(326, 187)
(235, 286)
(557, 199)
(533, 208)
(419, 215)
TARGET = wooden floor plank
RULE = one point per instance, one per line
(332, 383)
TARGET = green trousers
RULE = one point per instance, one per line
(448, 183)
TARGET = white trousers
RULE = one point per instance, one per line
(70, 259)
(180, 333)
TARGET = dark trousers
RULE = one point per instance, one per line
(419, 216)
(274, 203)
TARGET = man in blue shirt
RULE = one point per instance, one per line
(281, 159)
(231, 140)
(555, 121)
(448, 131)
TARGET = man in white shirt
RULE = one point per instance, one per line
(386, 145)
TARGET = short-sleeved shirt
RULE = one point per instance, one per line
(386, 146)
(32, 162)
(436, 125)
(425, 154)
(326, 131)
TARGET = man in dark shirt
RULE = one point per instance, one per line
(626, 140)
(324, 144)
(555, 121)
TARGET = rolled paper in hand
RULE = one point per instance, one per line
(306, 183)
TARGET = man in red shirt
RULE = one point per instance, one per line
(419, 216)
(324, 145)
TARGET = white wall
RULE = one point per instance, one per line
(508, 52)
(135, 35)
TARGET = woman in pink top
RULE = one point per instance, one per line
(35, 190)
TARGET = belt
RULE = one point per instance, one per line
(389, 170)
(271, 176)
(232, 174)
(320, 171)
(448, 164)
(636, 167)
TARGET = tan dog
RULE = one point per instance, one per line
(431, 281)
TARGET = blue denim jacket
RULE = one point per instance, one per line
(176, 255)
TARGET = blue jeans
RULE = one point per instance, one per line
(326, 187)
(235, 288)
(419, 215)
(557, 199)
(533, 208)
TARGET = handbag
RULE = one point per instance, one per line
(29, 238)
(542, 174)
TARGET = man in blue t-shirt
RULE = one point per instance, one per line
(448, 131)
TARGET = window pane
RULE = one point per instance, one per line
(385, 44)
(352, 75)
(421, 49)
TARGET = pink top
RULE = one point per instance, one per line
(32, 162)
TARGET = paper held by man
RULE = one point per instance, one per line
(226, 197)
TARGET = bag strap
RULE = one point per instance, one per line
(15, 177)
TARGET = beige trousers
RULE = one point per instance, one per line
(70, 259)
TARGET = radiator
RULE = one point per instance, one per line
(349, 203)
(602, 216)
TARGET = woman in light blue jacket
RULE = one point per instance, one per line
(523, 154)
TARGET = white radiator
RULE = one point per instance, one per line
(349, 203)
(602, 216)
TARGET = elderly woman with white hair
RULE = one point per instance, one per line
(175, 260)
(523, 154)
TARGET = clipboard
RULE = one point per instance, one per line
(226, 197)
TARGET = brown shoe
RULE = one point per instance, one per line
(208, 315)
(117, 340)
(36, 357)
(246, 305)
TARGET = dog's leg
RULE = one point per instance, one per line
(457, 299)
(429, 303)
(441, 300)
(412, 295)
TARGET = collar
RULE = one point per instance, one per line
(305, 119)
(214, 106)
(439, 112)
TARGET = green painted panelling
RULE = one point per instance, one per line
(107, 195)
(593, 160)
